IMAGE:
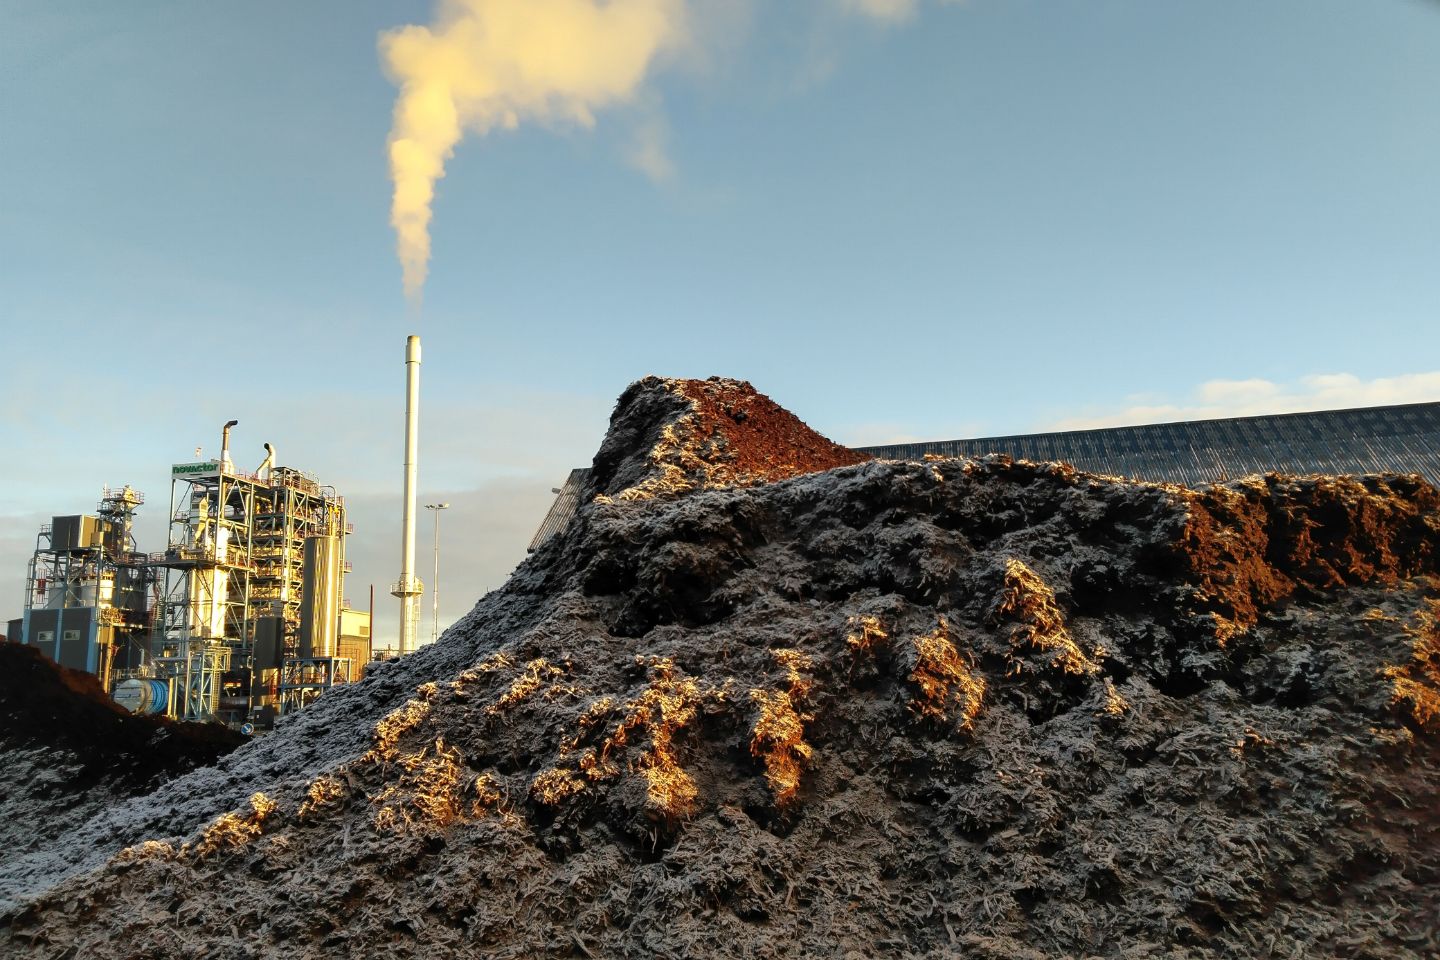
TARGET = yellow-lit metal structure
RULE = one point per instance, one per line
(238, 599)
(354, 640)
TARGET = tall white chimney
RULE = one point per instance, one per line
(409, 588)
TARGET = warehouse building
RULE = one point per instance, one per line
(1403, 438)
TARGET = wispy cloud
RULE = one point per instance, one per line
(649, 151)
(1253, 397)
(883, 9)
(892, 11)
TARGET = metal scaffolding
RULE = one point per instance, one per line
(196, 677)
(87, 589)
(238, 619)
(304, 678)
(234, 581)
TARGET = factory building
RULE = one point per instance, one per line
(240, 618)
(248, 614)
(354, 641)
(87, 590)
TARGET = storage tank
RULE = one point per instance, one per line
(320, 600)
(209, 597)
(143, 696)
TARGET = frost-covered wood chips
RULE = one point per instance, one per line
(746, 709)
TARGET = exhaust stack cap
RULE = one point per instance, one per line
(225, 465)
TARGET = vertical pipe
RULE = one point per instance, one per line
(225, 443)
(435, 586)
(409, 588)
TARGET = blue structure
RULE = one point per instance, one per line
(86, 596)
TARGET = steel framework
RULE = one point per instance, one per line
(236, 557)
(87, 589)
(304, 679)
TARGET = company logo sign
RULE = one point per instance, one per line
(207, 469)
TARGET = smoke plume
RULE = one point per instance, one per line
(489, 63)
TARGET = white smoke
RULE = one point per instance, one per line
(483, 64)
(495, 63)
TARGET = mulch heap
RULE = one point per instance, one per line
(952, 708)
(670, 436)
(43, 704)
(67, 750)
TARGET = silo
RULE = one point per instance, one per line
(320, 602)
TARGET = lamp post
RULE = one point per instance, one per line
(435, 508)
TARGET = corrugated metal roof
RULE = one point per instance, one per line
(1398, 439)
(1395, 439)
(567, 501)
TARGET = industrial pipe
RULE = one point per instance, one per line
(225, 443)
(267, 466)
(409, 589)
(435, 585)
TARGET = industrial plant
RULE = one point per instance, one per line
(240, 618)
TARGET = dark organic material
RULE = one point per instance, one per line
(68, 751)
(950, 708)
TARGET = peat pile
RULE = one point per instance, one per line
(671, 436)
(952, 708)
(67, 750)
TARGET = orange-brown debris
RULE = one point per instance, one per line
(777, 734)
(642, 743)
(1039, 622)
(536, 673)
(947, 688)
(726, 434)
(867, 634)
(1416, 684)
(235, 830)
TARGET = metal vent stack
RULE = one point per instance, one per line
(409, 588)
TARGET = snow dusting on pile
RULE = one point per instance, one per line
(762, 699)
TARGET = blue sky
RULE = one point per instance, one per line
(978, 218)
